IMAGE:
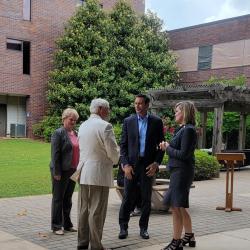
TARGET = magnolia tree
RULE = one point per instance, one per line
(112, 55)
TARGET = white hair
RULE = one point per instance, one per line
(96, 103)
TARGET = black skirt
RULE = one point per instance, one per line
(180, 182)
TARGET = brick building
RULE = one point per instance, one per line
(219, 49)
(28, 30)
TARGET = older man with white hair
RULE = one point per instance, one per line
(98, 153)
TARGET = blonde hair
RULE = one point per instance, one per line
(188, 109)
(69, 112)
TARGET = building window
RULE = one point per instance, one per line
(205, 57)
(14, 44)
(27, 10)
(80, 2)
(21, 46)
(26, 58)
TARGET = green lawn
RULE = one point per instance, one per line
(24, 167)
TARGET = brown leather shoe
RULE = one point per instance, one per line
(71, 229)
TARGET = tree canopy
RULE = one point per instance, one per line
(112, 55)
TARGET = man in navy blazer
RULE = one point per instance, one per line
(140, 158)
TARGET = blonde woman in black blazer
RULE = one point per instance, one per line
(64, 161)
(181, 164)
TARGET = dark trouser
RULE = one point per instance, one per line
(62, 192)
(137, 198)
(130, 186)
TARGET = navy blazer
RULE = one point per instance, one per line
(130, 141)
(61, 151)
(181, 147)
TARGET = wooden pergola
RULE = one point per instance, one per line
(215, 98)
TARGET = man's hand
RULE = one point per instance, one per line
(57, 177)
(128, 172)
(151, 169)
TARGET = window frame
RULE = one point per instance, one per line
(27, 10)
(80, 3)
(205, 57)
(25, 48)
(10, 44)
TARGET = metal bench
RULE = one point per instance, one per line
(158, 191)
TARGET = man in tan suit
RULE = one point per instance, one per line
(98, 153)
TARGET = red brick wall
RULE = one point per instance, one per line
(228, 30)
(12, 9)
(138, 5)
(46, 25)
(202, 76)
(47, 20)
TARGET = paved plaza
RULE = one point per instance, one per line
(25, 221)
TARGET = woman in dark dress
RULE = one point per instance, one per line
(181, 164)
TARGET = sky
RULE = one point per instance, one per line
(183, 13)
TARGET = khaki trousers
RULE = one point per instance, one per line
(92, 210)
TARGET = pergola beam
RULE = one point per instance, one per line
(217, 97)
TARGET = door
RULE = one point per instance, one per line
(3, 119)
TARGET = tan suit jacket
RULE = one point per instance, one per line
(98, 152)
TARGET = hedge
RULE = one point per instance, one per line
(206, 166)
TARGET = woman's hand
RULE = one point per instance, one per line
(163, 145)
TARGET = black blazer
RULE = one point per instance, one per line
(61, 151)
(181, 147)
(130, 141)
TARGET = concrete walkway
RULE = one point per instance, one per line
(25, 221)
(11, 242)
(231, 240)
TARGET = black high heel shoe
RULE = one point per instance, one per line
(174, 245)
(188, 239)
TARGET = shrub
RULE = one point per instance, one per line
(115, 172)
(118, 131)
(109, 54)
(163, 175)
(46, 127)
(237, 81)
(206, 166)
